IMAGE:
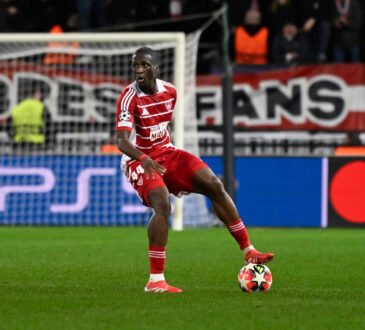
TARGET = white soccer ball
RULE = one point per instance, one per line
(255, 278)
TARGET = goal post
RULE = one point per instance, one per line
(80, 94)
(177, 222)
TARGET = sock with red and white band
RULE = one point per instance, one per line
(157, 255)
(239, 233)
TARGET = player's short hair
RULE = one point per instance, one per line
(149, 51)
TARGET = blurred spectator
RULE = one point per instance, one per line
(347, 20)
(280, 12)
(190, 7)
(290, 47)
(238, 9)
(47, 10)
(110, 146)
(362, 40)
(30, 120)
(353, 139)
(61, 58)
(14, 16)
(124, 12)
(322, 31)
(92, 14)
(251, 40)
(52, 13)
(175, 9)
(352, 146)
(313, 18)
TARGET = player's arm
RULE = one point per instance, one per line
(125, 146)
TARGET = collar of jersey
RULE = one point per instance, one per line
(159, 84)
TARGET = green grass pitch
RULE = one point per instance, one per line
(93, 278)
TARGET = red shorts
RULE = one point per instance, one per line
(180, 169)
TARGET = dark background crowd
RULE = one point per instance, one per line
(275, 32)
(264, 35)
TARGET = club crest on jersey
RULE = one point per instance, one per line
(168, 105)
(124, 115)
(140, 181)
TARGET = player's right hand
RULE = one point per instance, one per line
(149, 165)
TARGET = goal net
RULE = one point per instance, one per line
(58, 94)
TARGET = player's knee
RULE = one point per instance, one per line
(163, 207)
(217, 185)
(160, 202)
(216, 188)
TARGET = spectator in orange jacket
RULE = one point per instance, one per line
(61, 57)
(251, 40)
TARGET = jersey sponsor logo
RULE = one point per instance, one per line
(158, 131)
(124, 115)
(145, 112)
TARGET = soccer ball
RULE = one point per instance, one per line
(255, 278)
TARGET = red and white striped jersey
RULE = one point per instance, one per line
(147, 116)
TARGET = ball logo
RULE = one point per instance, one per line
(259, 269)
(124, 115)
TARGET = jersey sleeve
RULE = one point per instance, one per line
(125, 110)
(172, 93)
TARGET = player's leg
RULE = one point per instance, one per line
(159, 200)
(206, 183)
(154, 193)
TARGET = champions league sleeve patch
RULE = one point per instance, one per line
(124, 115)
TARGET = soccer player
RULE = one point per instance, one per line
(156, 168)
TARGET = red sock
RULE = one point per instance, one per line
(239, 232)
(157, 256)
